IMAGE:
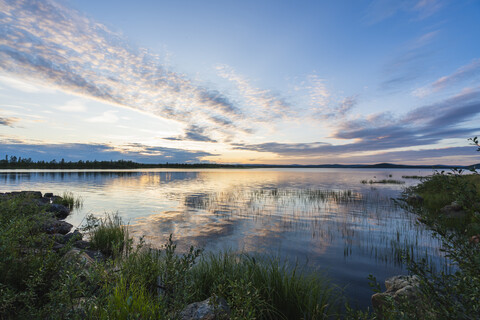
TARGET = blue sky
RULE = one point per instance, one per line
(306, 82)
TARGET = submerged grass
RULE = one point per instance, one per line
(383, 181)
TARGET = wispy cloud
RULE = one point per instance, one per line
(46, 41)
(261, 104)
(409, 64)
(73, 106)
(106, 117)
(469, 72)
(380, 10)
(81, 151)
(193, 133)
(7, 121)
(423, 126)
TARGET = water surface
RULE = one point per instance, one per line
(325, 218)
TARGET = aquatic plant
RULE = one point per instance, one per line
(69, 200)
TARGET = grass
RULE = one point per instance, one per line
(69, 200)
(276, 289)
(108, 234)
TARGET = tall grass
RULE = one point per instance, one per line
(278, 290)
(69, 200)
(108, 234)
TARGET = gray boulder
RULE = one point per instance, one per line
(52, 226)
(414, 199)
(453, 211)
(80, 258)
(59, 210)
(72, 236)
(398, 288)
(81, 244)
(209, 309)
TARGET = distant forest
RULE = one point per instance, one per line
(14, 162)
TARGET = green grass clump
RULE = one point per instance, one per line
(108, 234)
(68, 199)
(127, 300)
(275, 290)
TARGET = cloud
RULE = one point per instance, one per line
(7, 121)
(423, 126)
(469, 72)
(49, 42)
(73, 106)
(101, 152)
(380, 10)
(19, 85)
(106, 117)
(193, 133)
(410, 64)
(262, 104)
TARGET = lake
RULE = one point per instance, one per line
(325, 219)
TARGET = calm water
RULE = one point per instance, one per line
(325, 218)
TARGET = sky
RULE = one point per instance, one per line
(271, 81)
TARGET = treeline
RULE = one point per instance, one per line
(14, 162)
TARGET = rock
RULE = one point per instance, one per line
(79, 256)
(41, 201)
(55, 199)
(30, 194)
(57, 237)
(48, 195)
(209, 309)
(73, 236)
(59, 210)
(453, 211)
(81, 244)
(414, 199)
(397, 288)
(95, 255)
(58, 246)
(52, 226)
(475, 239)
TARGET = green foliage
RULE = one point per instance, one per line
(35, 281)
(108, 234)
(442, 189)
